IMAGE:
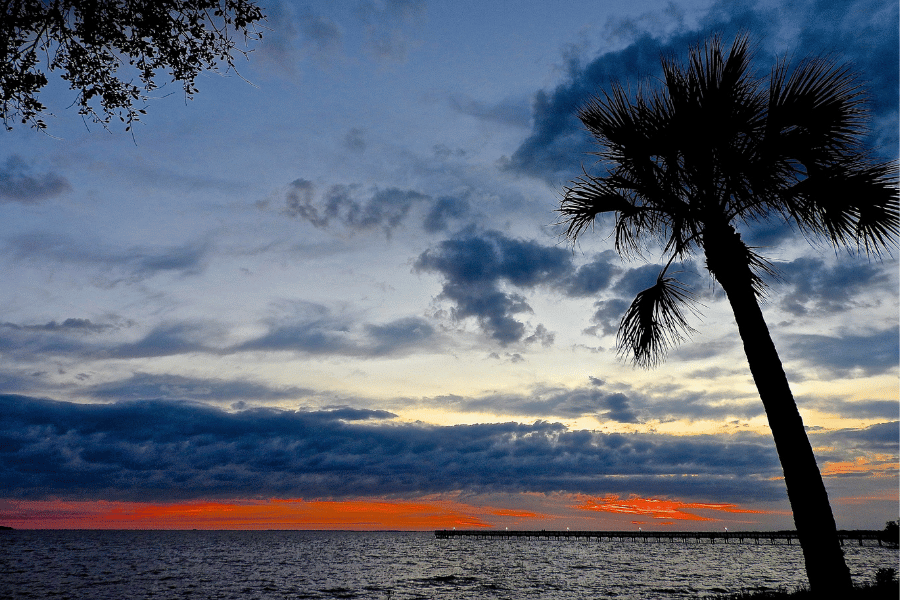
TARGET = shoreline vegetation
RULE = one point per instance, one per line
(859, 592)
(884, 586)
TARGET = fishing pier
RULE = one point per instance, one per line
(739, 537)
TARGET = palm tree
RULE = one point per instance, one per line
(715, 148)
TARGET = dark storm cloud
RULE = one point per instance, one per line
(128, 265)
(475, 265)
(148, 386)
(843, 356)
(478, 268)
(638, 279)
(164, 451)
(813, 287)
(854, 409)
(884, 437)
(864, 33)
(861, 32)
(18, 183)
(607, 317)
(557, 144)
(445, 209)
(593, 277)
(385, 210)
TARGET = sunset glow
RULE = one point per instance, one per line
(659, 509)
(267, 514)
(358, 515)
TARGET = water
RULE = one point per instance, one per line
(170, 565)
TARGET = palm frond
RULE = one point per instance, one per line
(759, 267)
(816, 111)
(853, 204)
(586, 199)
(655, 322)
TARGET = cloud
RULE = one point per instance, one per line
(165, 451)
(862, 32)
(387, 23)
(380, 209)
(478, 269)
(475, 266)
(509, 111)
(883, 437)
(355, 140)
(607, 317)
(443, 211)
(558, 143)
(72, 324)
(291, 38)
(610, 403)
(316, 330)
(854, 409)
(137, 263)
(149, 386)
(321, 36)
(541, 335)
(166, 339)
(593, 277)
(813, 287)
(847, 355)
(19, 184)
(580, 402)
(28, 342)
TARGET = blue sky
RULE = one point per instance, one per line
(336, 276)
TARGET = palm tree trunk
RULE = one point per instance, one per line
(825, 566)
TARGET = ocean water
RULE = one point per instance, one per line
(170, 565)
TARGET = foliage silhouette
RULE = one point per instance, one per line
(716, 147)
(101, 47)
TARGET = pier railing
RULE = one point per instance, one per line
(772, 537)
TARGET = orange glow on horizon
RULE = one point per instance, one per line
(658, 509)
(250, 514)
(880, 466)
(445, 511)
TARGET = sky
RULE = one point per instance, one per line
(328, 292)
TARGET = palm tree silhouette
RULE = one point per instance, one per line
(714, 148)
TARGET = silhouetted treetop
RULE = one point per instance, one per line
(714, 150)
(111, 51)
